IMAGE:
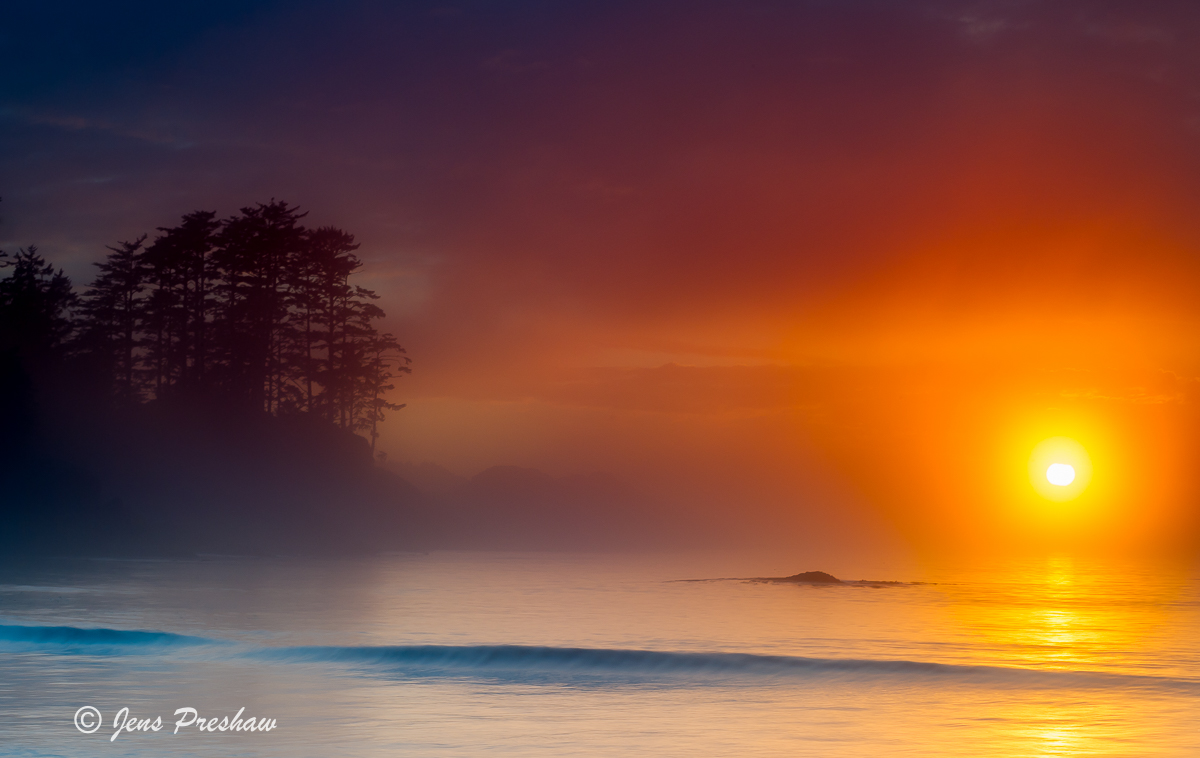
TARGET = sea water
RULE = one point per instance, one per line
(469, 654)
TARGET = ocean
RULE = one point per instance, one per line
(470, 654)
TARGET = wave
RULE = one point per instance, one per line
(543, 662)
(520, 661)
(73, 635)
(526, 657)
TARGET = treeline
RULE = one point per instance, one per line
(255, 311)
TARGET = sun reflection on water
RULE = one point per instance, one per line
(1064, 615)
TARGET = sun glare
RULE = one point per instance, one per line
(1060, 474)
(1060, 469)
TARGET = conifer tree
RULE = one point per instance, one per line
(35, 305)
(255, 310)
(112, 316)
(182, 259)
(255, 251)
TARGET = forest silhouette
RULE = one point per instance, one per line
(255, 310)
(203, 392)
(218, 388)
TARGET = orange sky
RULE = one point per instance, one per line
(884, 320)
(779, 262)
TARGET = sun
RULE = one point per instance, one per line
(1060, 469)
(1060, 474)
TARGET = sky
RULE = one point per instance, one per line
(790, 262)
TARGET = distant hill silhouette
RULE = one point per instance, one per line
(163, 479)
(427, 477)
(514, 508)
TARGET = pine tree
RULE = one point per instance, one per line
(255, 252)
(35, 305)
(318, 291)
(383, 358)
(254, 309)
(110, 330)
(182, 258)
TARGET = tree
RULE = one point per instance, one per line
(35, 305)
(254, 254)
(181, 259)
(382, 356)
(318, 293)
(255, 309)
(112, 308)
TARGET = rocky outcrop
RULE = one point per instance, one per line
(808, 577)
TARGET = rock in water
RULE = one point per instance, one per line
(811, 577)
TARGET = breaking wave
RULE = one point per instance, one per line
(566, 663)
(543, 662)
(74, 636)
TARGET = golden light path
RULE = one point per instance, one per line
(1068, 614)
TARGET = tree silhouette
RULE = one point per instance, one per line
(179, 315)
(255, 310)
(223, 366)
(321, 298)
(383, 359)
(112, 316)
(35, 304)
(254, 254)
